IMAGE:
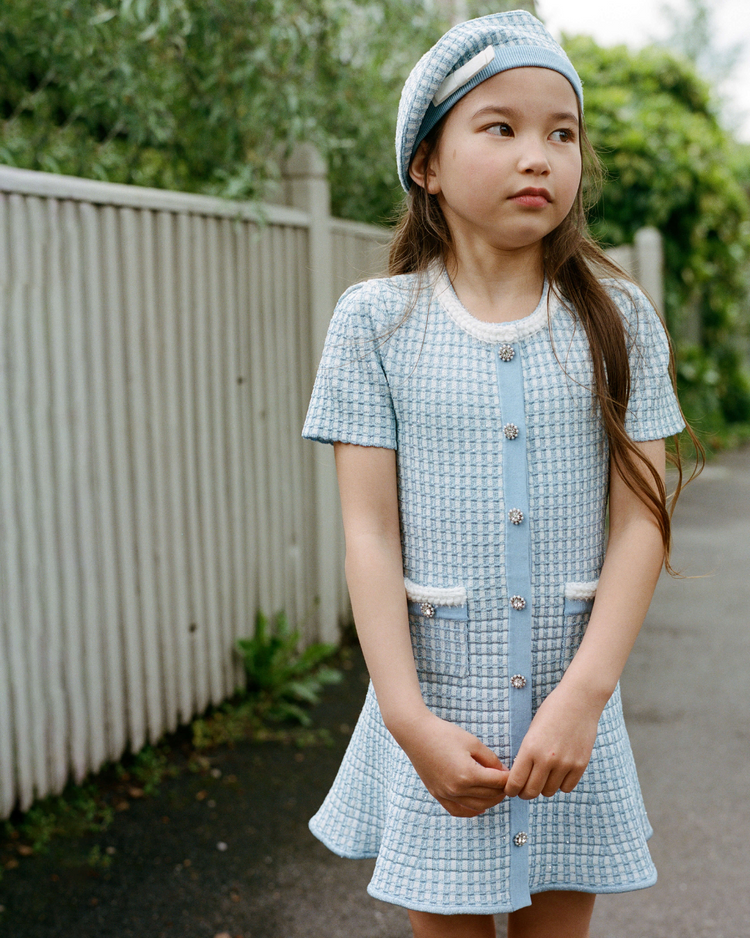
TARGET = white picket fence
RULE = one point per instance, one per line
(157, 351)
(156, 358)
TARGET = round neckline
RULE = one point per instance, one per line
(492, 332)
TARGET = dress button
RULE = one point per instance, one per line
(506, 352)
(518, 602)
(521, 839)
(427, 610)
(511, 431)
(515, 515)
(518, 681)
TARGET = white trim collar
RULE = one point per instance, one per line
(493, 332)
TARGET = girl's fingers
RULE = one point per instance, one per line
(486, 757)
(487, 780)
(535, 782)
(554, 782)
(518, 776)
(470, 807)
(570, 781)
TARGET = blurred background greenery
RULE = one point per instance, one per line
(209, 95)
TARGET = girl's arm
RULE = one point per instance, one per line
(457, 768)
(558, 744)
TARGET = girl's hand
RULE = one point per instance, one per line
(458, 770)
(557, 747)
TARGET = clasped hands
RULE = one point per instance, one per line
(467, 778)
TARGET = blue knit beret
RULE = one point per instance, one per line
(481, 47)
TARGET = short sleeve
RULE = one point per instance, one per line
(351, 400)
(653, 410)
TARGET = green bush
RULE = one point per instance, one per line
(670, 164)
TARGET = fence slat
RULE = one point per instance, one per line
(250, 482)
(171, 443)
(20, 383)
(189, 387)
(66, 519)
(104, 489)
(83, 412)
(233, 384)
(120, 463)
(216, 315)
(12, 582)
(206, 491)
(158, 431)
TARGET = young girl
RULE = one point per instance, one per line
(488, 402)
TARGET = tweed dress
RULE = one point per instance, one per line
(503, 481)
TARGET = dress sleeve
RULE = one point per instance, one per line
(653, 411)
(351, 400)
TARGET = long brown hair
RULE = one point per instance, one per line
(573, 264)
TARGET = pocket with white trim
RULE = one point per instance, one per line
(439, 623)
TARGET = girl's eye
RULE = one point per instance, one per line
(563, 136)
(501, 130)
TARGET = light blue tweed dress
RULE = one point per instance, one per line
(503, 479)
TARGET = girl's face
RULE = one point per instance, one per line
(508, 163)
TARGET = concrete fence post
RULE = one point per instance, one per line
(305, 176)
(650, 265)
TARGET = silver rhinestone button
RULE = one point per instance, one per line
(518, 602)
(511, 431)
(515, 515)
(521, 839)
(427, 609)
(518, 681)
(506, 352)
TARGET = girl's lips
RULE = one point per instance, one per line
(533, 198)
(533, 201)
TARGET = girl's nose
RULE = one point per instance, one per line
(533, 160)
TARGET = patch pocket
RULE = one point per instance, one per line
(579, 601)
(439, 623)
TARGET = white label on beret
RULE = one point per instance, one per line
(458, 78)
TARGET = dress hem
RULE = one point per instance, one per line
(339, 852)
(506, 909)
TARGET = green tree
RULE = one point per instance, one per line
(206, 96)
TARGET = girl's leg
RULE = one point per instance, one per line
(430, 925)
(553, 915)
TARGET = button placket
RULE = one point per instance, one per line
(517, 563)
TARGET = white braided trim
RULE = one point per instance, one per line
(437, 595)
(492, 332)
(581, 590)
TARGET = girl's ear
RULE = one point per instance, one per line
(421, 171)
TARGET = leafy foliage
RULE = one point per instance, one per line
(281, 679)
(671, 165)
(206, 96)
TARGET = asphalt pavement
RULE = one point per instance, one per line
(686, 692)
